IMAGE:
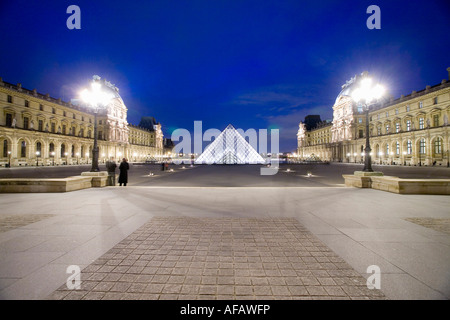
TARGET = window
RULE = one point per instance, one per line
(387, 128)
(100, 122)
(26, 122)
(5, 148)
(53, 110)
(81, 133)
(82, 152)
(72, 154)
(64, 113)
(82, 118)
(421, 123)
(74, 116)
(38, 148)
(407, 108)
(396, 111)
(63, 150)
(361, 133)
(41, 107)
(409, 147)
(100, 135)
(378, 116)
(387, 150)
(8, 119)
(420, 105)
(436, 120)
(435, 100)
(422, 146)
(360, 120)
(397, 148)
(51, 148)
(27, 104)
(438, 146)
(53, 127)
(408, 125)
(10, 99)
(40, 125)
(379, 131)
(387, 114)
(64, 129)
(89, 134)
(23, 149)
(397, 127)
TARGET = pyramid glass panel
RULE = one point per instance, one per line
(230, 147)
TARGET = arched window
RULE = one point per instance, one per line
(5, 148)
(63, 150)
(422, 146)
(23, 149)
(51, 149)
(38, 147)
(387, 149)
(409, 147)
(438, 146)
(73, 151)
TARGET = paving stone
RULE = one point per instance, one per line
(172, 258)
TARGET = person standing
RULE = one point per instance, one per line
(123, 175)
(111, 168)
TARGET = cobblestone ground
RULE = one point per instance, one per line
(9, 222)
(220, 258)
(442, 225)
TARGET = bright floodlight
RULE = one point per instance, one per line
(366, 92)
(95, 96)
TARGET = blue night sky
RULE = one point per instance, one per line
(255, 64)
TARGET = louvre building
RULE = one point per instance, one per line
(410, 130)
(38, 129)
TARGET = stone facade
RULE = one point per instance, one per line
(410, 130)
(38, 129)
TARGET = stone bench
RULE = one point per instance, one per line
(30, 185)
(399, 185)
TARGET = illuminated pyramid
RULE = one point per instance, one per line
(229, 148)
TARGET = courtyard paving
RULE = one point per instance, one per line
(226, 234)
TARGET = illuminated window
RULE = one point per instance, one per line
(420, 105)
(422, 146)
(397, 148)
(421, 123)
(397, 127)
(409, 147)
(438, 146)
(387, 128)
(408, 125)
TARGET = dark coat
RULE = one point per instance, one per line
(111, 166)
(123, 175)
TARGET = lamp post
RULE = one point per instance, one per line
(96, 99)
(365, 96)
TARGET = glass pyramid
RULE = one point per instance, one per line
(229, 148)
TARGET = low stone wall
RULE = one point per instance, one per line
(30, 185)
(26, 185)
(399, 185)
